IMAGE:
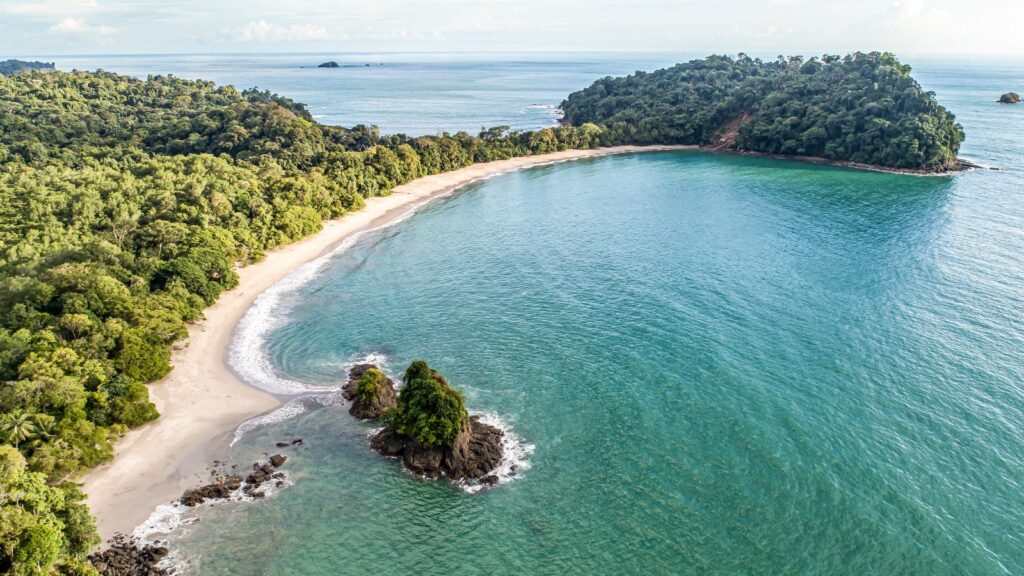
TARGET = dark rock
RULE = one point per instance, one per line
(277, 460)
(331, 64)
(277, 475)
(253, 491)
(260, 474)
(385, 399)
(282, 444)
(129, 557)
(218, 490)
(297, 442)
(1010, 98)
(491, 480)
(474, 455)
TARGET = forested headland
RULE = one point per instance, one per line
(864, 108)
(125, 207)
(8, 67)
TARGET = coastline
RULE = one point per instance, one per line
(202, 400)
(961, 166)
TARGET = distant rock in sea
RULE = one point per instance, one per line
(331, 64)
(1010, 98)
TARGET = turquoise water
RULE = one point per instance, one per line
(711, 364)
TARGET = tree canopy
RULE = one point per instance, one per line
(864, 107)
(125, 207)
(429, 409)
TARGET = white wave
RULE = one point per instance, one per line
(291, 409)
(302, 404)
(165, 519)
(248, 356)
(516, 458)
(168, 520)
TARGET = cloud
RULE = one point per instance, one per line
(78, 26)
(263, 31)
(49, 8)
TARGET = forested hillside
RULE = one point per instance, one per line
(864, 108)
(125, 206)
(8, 67)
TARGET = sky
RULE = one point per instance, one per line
(761, 27)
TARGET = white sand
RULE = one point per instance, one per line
(201, 401)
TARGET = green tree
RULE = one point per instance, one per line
(17, 427)
(429, 410)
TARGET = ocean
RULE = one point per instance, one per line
(707, 364)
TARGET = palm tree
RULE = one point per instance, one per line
(45, 428)
(17, 427)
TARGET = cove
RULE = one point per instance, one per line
(712, 364)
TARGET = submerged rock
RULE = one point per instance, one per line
(476, 452)
(1010, 98)
(129, 557)
(370, 391)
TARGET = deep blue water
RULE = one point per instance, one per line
(710, 364)
(410, 93)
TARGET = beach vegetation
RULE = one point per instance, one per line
(45, 528)
(126, 206)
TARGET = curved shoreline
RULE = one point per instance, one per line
(202, 400)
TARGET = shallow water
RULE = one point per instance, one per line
(712, 364)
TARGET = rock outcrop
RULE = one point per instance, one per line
(219, 489)
(222, 487)
(1010, 98)
(370, 391)
(474, 455)
(331, 64)
(129, 557)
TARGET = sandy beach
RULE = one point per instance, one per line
(202, 401)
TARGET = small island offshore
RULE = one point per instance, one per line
(426, 425)
(128, 206)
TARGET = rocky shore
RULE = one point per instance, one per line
(127, 556)
(223, 486)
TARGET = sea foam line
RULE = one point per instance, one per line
(169, 520)
(248, 355)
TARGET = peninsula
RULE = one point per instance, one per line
(864, 110)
